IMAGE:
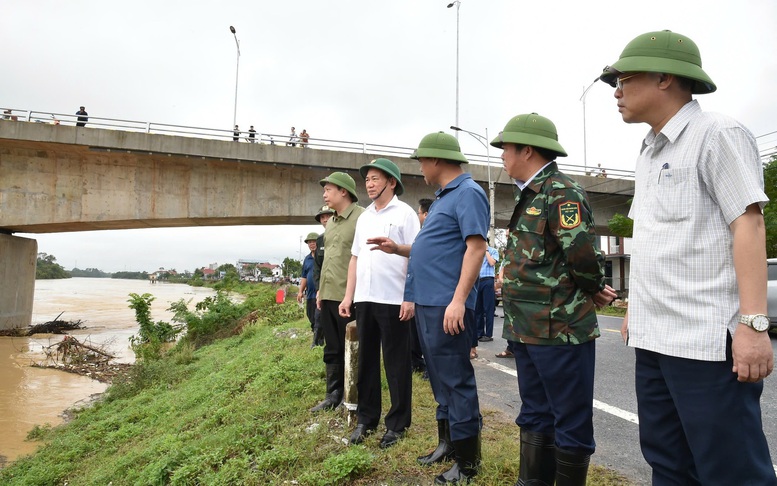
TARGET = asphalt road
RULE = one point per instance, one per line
(615, 407)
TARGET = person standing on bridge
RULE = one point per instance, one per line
(444, 263)
(236, 134)
(553, 278)
(376, 286)
(83, 117)
(340, 196)
(698, 272)
(293, 138)
(304, 137)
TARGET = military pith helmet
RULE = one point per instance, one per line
(324, 210)
(530, 129)
(311, 237)
(662, 52)
(439, 145)
(341, 179)
(389, 168)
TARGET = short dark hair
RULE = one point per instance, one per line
(425, 204)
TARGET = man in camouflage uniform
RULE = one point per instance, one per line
(554, 276)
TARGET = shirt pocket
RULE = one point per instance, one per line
(530, 238)
(674, 194)
(530, 308)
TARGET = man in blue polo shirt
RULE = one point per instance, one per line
(445, 260)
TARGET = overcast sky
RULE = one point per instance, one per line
(358, 70)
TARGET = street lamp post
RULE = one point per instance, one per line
(457, 3)
(484, 142)
(585, 150)
(237, 71)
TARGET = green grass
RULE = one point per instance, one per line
(235, 412)
(612, 311)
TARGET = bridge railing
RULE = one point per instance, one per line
(35, 116)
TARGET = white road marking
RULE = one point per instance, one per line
(620, 413)
(628, 416)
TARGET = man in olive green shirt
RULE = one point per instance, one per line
(340, 196)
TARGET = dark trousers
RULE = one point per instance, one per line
(698, 424)
(485, 306)
(310, 310)
(334, 332)
(450, 372)
(379, 327)
(417, 362)
(556, 384)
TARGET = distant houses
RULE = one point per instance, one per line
(247, 270)
(255, 270)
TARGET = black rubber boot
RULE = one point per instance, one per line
(334, 388)
(467, 462)
(571, 468)
(318, 336)
(538, 460)
(444, 451)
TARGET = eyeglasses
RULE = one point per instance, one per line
(619, 81)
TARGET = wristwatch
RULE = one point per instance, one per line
(759, 322)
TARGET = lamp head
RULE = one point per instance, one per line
(232, 29)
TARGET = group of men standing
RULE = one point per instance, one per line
(696, 313)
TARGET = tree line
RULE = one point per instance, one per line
(47, 268)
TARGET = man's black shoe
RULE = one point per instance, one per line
(390, 438)
(485, 339)
(360, 433)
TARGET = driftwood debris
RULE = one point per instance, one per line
(51, 327)
(70, 350)
(74, 356)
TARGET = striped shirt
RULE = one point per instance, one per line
(693, 180)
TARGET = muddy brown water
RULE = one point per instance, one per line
(36, 396)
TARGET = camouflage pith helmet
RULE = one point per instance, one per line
(311, 237)
(341, 179)
(439, 145)
(530, 129)
(324, 210)
(662, 52)
(389, 168)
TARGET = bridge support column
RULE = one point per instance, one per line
(18, 257)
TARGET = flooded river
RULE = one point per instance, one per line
(34, 396)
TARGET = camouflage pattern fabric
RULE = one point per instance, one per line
(553, 264)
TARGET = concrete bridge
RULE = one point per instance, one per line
(59, 178)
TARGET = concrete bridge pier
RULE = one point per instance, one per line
(18, 257)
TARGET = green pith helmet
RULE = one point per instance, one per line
(311, 237)
(662, 52)
(341, 179)
(389, 168)
(530, 129)
(439, 145)
(324, 210)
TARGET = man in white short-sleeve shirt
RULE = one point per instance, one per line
(376, 285)
(697, 294)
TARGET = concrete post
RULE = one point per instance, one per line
(18, 257)
(351, 398)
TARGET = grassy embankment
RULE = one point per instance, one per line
(234, 412)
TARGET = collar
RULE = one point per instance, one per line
(346, 212)
(392, 202)
(537, 180)
(675, 126)
(522, 185)
(453, 184)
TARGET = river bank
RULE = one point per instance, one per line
(31, 396)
